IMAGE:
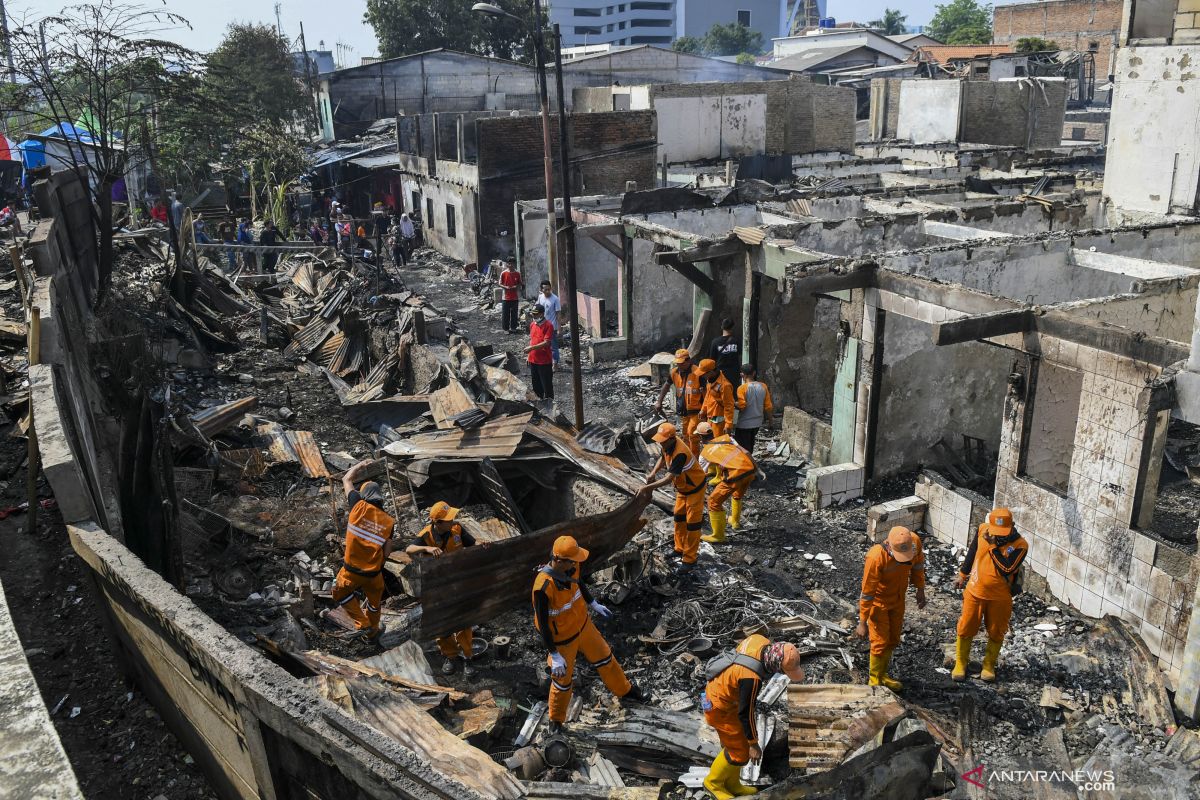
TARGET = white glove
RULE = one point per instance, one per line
(600, 609)
(558, 665)
(717, 420)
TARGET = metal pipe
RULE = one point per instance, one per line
(568, 234)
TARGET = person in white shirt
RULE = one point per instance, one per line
(549, 302)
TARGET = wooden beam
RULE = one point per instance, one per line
(707, 252)
(982, 326)
(670, 258)
(600, 233)
(828, 281)
(1112, 338)
(948, 295)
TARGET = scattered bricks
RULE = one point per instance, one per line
(908, 512)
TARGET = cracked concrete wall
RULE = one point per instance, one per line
(1055, 411)
(662, 304)
(929, 393)
(798, 348)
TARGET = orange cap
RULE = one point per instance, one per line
(1000, 518)
(682, 355)
(442, 512)
(665, 431)
(707, 366)
(901, 542)
(791, 663)
(703, 429)
(566, 547)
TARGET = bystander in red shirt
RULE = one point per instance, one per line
(541, 331)
(510, 279)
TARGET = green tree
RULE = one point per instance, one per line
(732, 39)
(414, 26)
(253, 68)
(962, 22)
(746, 58)
(891, 24)
(1034, 44)
(688, 44)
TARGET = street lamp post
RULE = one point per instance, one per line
(539, 60)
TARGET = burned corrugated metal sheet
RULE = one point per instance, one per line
(826, 722)
(310, 337)
(495, 439)
(473, 585)
(501, 499)
(596, 437)
(284, 446)
(394, 412)
(449, 401)
(215, 419)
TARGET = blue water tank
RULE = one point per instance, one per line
(827, 22)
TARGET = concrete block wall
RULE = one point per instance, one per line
(1083, 540)
(837, 483)
(952, 514)
(807, 436)
(1020, 113)
(907, 512)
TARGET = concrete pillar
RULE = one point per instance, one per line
(1187, 382)
(1187, 693)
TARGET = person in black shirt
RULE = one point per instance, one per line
(727, 352)
(270, 238)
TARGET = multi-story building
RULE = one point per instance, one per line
(1082, 25)
(588, 22)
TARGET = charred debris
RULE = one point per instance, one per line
(277, 383)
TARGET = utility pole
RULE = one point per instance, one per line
(539, 61)
(308, 78)
(278, 19)
(568, 233)
(12, 67)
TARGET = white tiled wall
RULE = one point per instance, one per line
(908, 512)
(837, 483)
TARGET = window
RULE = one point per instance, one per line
(621, 26)
(429, 213)
(416, 202)
(621, 8)
(587, 12)
(586, 30)
(1050, 439)
(653, 23)
(608, 10)
(649, 39)
(451, 222)
(744, 18)
(649, 6)
(608, 28)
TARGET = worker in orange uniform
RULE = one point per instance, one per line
(689, 396)
(728, 703)
(891, 567)
(736, 470)
(359, 583)
(717, 408)
(989, 572)
(441, 536)
(683, 469)
(560, 613)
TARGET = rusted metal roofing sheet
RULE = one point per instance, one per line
(284, 446)
(826, 722)
(473, 585)
(495, 439)
(311, 337)
(449, 401)
(215, 419)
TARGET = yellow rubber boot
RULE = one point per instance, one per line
(884, 678)
(875, 671)
(736, 787)
(717, 520)
(735, 514)
(962, 655)
(718, 777)
(990, 656)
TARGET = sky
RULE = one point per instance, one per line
(334, 21)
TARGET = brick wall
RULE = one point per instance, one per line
(607, 149)
(1013, 113)
(1071, 24)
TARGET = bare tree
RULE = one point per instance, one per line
(97, 67)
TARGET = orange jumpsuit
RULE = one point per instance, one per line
(737, 470)
(729, 701)
(460, 642)
(718, 404)
(885, 581)
(688, 479)
(987, 598)
(692, 398)
(568, 629)
(360, 580)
